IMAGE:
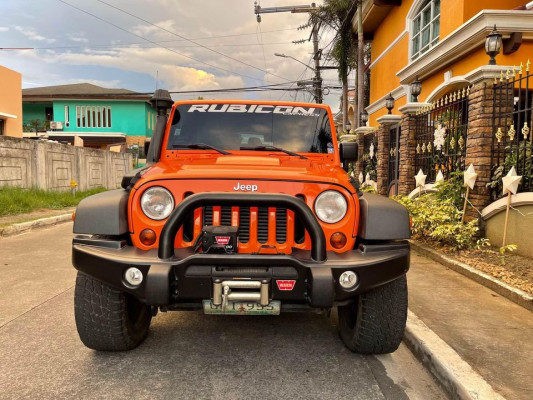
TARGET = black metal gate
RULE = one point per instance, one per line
(394, 160)
(441, 132)
(512, 141)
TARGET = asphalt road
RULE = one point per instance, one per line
(187, 355)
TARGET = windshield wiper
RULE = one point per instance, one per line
(201, 146)
(272, 148)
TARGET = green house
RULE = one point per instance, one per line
(100, 117)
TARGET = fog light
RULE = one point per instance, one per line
(148, 237)
(133, 276)
(348, 279)
(338, 240)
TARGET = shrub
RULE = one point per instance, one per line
(440, 220)
(452, 189)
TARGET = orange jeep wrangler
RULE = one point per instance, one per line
(243, 208)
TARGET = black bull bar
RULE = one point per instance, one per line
(187, 206)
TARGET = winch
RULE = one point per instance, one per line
(218, 239)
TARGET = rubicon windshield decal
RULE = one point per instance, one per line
(252, 109)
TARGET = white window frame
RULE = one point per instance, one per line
(90, 116)
(67, 116)
(108, 115)
(431, 25)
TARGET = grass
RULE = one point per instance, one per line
(14, 201)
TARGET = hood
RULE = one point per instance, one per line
(314, 168)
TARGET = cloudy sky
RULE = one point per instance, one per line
(116, 43)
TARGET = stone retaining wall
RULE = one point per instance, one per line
(51, 166)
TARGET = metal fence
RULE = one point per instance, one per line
(370, 151)
(512, 136)
(441, 132)
(394, 160)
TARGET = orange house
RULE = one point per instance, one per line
(10, 102)
(442, 42)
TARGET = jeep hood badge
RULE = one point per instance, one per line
(245, 188)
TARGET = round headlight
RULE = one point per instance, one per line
(330, 206)
(157, 203)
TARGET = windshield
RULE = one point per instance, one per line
(232, 126)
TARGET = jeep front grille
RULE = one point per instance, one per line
(266, 226)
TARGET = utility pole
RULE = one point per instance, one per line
(317, 53)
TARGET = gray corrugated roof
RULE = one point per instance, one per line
(74, 89)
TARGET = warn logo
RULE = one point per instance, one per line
(222, 239)
(286, 285)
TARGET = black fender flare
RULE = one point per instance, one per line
(104, 213)
(382, 218)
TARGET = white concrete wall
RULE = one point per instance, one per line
(28, 163)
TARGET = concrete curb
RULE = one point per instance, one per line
(17, 229)
(456, 376)
(515, 295)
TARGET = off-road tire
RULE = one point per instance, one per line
(375, 322)
(108, 319)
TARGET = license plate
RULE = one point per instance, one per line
(243, 308)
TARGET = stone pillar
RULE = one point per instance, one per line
(479, 142)
(385, 124)
(408, 147)
(480, 132)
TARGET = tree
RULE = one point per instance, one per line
(36, 125)
(339, 14)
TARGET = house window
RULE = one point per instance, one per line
(93, 116)
(1, 127)
(425, 28)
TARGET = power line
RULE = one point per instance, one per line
(309, 61)
(159, 45)
(190, 40)
(135, 46)
(234, 90)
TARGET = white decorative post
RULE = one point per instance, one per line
(510, 187)
(420, 179)
(440, 178)
(470, 177)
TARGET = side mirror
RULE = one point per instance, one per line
(349, 151)
(147, 142)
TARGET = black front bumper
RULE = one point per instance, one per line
(177, 276)
(188, 277)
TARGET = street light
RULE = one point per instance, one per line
(493, 45)
(348, 126)
(389, 103)
(364, 117)
(295, 59)
(416, 89)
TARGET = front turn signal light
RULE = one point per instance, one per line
(148, 237)
(338, 240)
